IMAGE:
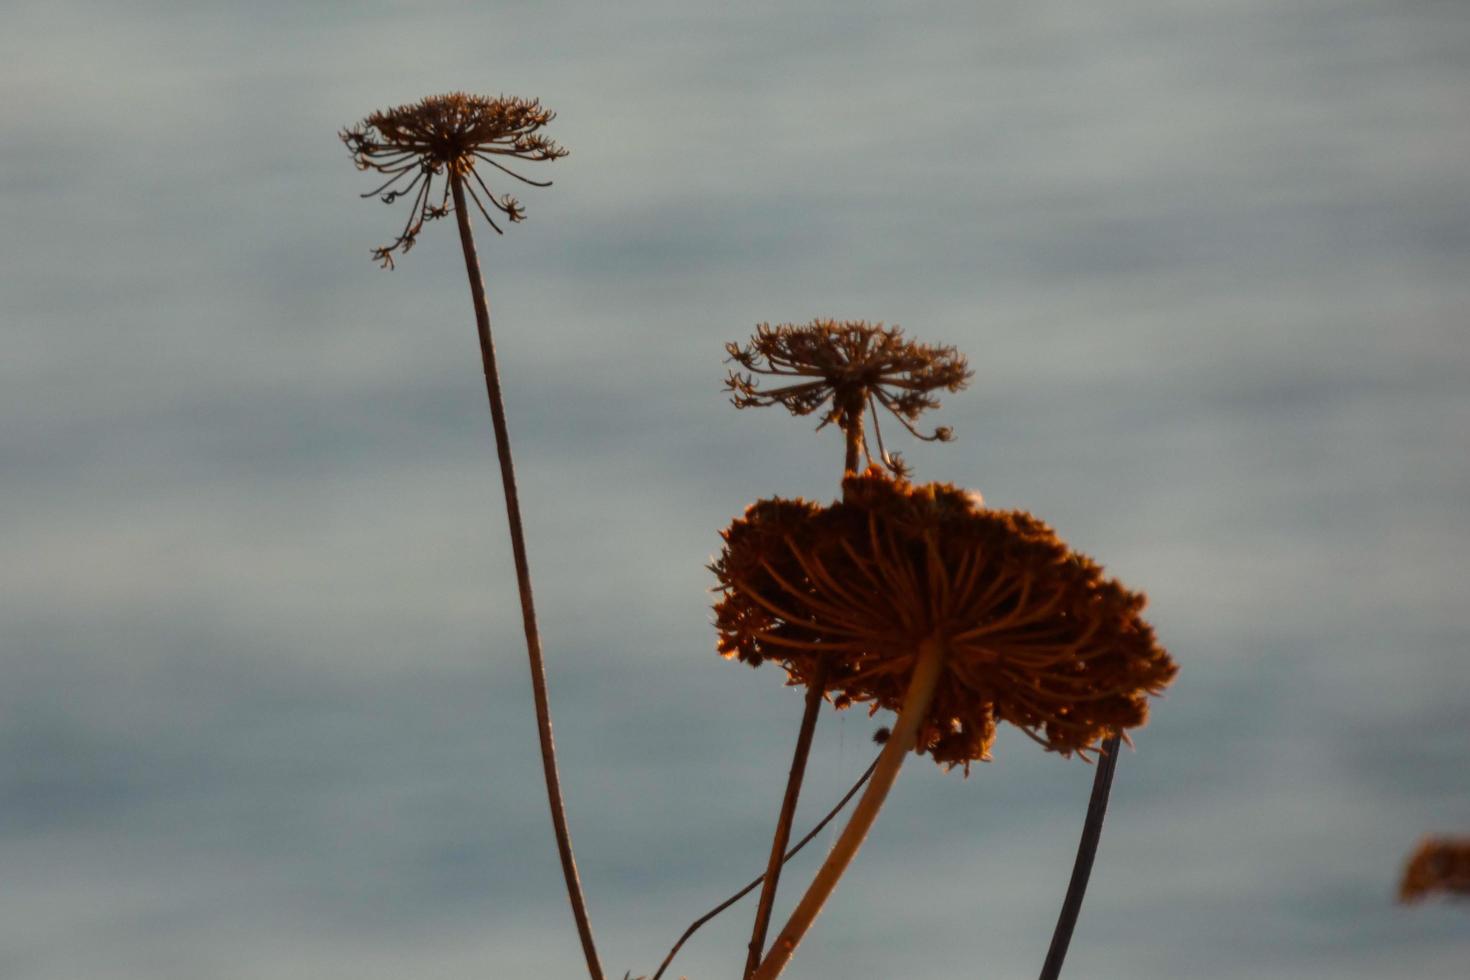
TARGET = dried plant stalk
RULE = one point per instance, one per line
(783, 828)
(1097, 808)
(845, 368)
(1032, 632)
(523, 584)
(446, 137)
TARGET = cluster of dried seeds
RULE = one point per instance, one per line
(447, 137)
(1034, 634)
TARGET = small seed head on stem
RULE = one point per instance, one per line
(447, 137)
(846, 368)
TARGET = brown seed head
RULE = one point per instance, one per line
(448, 136)
(1437, 865)
(846, 368)
(1033, 633)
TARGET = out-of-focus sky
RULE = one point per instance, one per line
(264, 710)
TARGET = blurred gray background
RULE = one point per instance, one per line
(265, 710)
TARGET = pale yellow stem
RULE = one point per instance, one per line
(927, 669)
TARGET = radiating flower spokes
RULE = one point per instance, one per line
(447, 137)
(846, 369)
(1032, 632)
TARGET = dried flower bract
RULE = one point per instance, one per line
(1437, 865)
(845, 368)
(1033, 633)
(448, 136)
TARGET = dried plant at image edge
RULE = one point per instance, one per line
(919, 600)
(1439, 865)
(846, 368)
(448, 137)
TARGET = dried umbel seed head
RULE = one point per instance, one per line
(1032, 632)
(845, 368)
(448, 136)
(1437, 865)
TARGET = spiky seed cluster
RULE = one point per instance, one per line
(845, 368)
(448, 136)
(1437, 865)
(1032, 631)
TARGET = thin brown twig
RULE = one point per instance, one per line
(1097, 808)
(853, 431)
(523, 582)
(810, 836)
(783, 822)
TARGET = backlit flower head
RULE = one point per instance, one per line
(845, 368)
(1033, 633)
(1437, 865)
(447, 136)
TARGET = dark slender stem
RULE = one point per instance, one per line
(853, 429)
(788, 815)
(523, 581)
(810, 836)
(1097, 808)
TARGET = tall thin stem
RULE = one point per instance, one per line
(523, 582)
(928, 666)
(785, 820)
(1097, 808)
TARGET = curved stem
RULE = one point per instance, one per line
(810, 834)
(927, 669)
(523, 582)
(787, 817)
(1097, 807)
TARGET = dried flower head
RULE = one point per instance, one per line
(846, 368)
(448, 136)
(1437, 865)
(1032, 632)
